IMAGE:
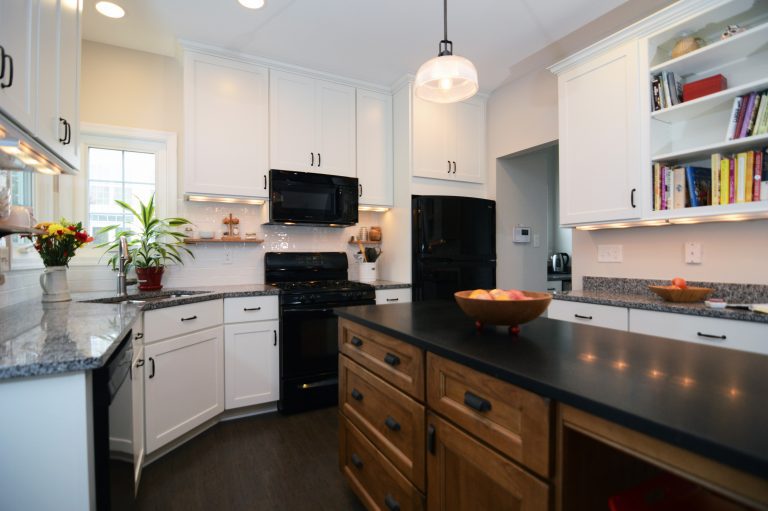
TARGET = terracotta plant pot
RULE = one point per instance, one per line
(150, 278)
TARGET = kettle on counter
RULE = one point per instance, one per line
(560, 262)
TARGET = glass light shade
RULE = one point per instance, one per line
(110, 10)
(252, 4)
(446, 79)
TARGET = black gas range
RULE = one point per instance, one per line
(311, 284)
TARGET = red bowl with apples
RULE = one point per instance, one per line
(528, 306)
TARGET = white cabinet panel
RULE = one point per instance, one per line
(226, 127)
(599, 124)
(374, 148)
(251, 363)
(469, 141)
(137, 394)
(18, 36)
(385, 296)
(250, 308)
(431, 156)
(589, 314)
(182, 319)
(335, 135)
(726, 333)
(184, 384)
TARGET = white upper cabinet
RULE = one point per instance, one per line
(17, 44)
(599, 124)
(58, 78)
(312, 125)
(225, 126)
(449, 140)
(374, 148)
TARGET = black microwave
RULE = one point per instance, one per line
(306, 198)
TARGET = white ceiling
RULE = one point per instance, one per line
(376, 41)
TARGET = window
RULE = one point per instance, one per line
(115, 174)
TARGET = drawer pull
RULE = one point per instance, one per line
(710, 336)
(357, 395)
(356, 341)
(476, 402)
(391, 359)
(391, 503)
(356, 461)
(393, 299)
(582, 317)
(246, 309)
(152, 373)
(431, 439)
(189, 318)
(392, 423)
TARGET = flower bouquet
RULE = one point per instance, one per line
(56, 245)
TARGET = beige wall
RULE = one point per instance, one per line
(123, 87)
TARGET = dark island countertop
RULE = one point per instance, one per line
(705, 399)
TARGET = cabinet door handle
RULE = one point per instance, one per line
(68, 132)
(449, 166)
(391, 359)
(710, 336)
(63, 122)
(454, 167)
(582, 317)
(247, 309)
(140, 362)
(140, 335)
(361, 190)
(431, 439)
(2, 61)
(550, 289)
(265, 181)
(632, 197)
(476, 402)
(391, 503)
(152, 370)
(356, 341)
(189, 318)
(393, 299)
(357, 395)
(10, 69)
(319, 161)
(275, 333)
(391, 423)
(312, 163)
(356, 461)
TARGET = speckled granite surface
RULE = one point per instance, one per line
(388, 284)
(42, 339)
(634, 293)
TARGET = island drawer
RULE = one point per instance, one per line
(594, 314)
(513, 420)
(182, 319)
(373, 478)
(400, 295)
(725, 333)
(398, 363)
(392, 421)
(250, 308)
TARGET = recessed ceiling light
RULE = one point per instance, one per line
(252, 4)
(110, 10)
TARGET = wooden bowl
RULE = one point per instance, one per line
(688, 294)
(503, 312)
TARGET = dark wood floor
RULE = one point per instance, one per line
(268, 462)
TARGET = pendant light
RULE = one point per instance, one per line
(447, 78)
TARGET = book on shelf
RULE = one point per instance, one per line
(679, 195)
(656, 93)
(749, 116)
(731, 180)
(761, 122)
(735, 112)
(725, 181)
(758, 174)
(656, 186)
(744, 124)
(699, 185)
(666, 90)
(741, 177)
(715, 178)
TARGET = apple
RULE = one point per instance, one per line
(498, 293)
(514, 294)
(679, 282)
(480, 294)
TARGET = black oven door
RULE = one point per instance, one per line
(307, 198)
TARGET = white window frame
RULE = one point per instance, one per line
(73, 193)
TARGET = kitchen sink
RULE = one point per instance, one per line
(140, 298)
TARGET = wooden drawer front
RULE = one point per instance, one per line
(725, 333)
(373, 478)
(250, 308)
(392, 421)
(400, 295)
(464, 474)
(399, 363)
(182, 319)
(590, 314)
(514, 421)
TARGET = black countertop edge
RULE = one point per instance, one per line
(745, 461)
(658, 305)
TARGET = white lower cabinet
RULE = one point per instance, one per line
(251, 361)
(137, 393)
(726, 333)
(590, 314)
(400, 295)
(184, 384)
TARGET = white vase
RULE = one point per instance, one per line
(53, 280)
(368, 272)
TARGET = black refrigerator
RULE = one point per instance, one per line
(454, 245)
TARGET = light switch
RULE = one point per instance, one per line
(693, 252)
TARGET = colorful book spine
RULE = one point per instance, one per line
(762, 121)
(735, 112)
(679, 193)
(663, 188)
(725, 187)
(759, 113)
(690, 179)
(752, 118)
(744, 119)
(656, 186)
(749, 176)
(656, 93)
(758, 175)
(731, 180)
(665, 94)
(741, 176)
(715, 177)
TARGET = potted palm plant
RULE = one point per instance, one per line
(151, 247)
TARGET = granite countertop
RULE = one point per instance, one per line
(705, 399)
(41, 339)
(388, 284)
(634, 294)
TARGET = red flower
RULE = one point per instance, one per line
(72, 228)
(59, 232)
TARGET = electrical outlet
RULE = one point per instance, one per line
(227, 256)
(693, 252)
(610, 253)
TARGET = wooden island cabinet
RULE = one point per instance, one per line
(424, 430)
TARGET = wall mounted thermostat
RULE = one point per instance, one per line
(521, 234)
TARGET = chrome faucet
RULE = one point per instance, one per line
(123, 258)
